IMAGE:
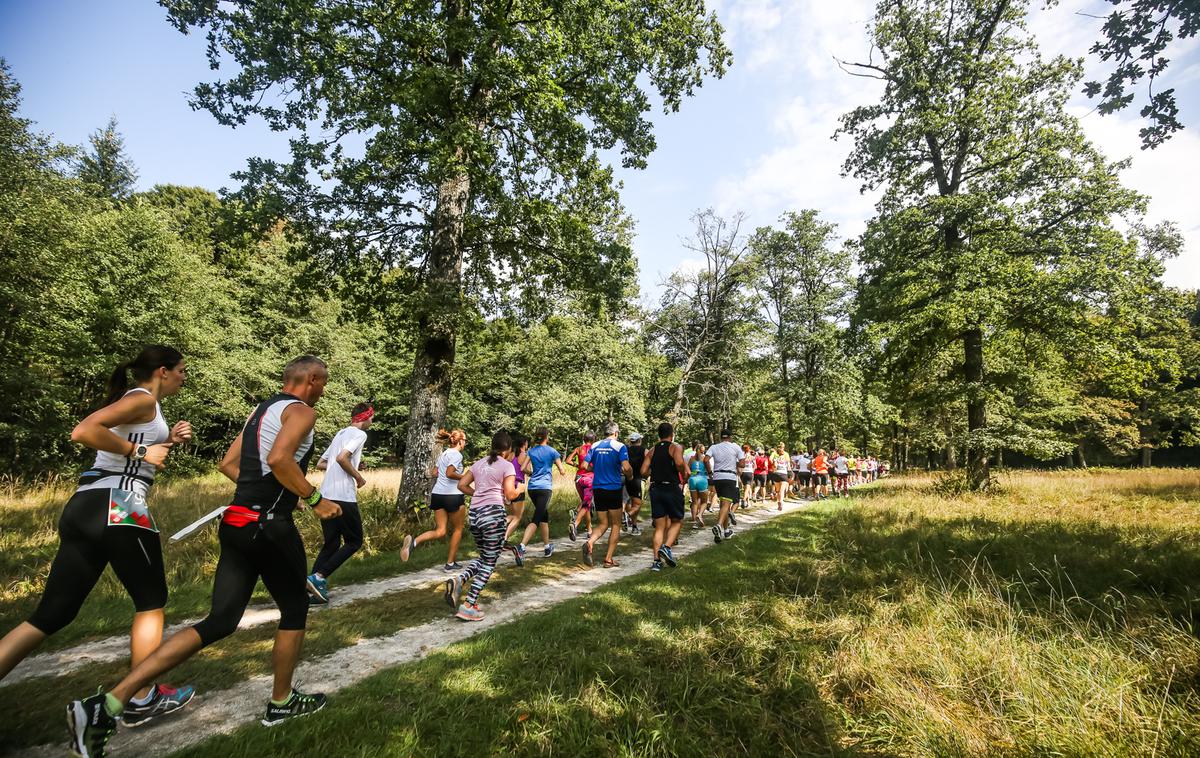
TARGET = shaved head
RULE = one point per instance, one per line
(299, 369)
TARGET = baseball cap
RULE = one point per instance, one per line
(634, 437)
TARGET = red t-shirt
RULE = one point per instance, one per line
(760, 465)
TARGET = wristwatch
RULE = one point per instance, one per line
(139, 452)
(312, 500)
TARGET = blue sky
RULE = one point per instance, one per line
(757, 141)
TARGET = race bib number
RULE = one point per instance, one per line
(127, 508)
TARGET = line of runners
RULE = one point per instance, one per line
(107, 522)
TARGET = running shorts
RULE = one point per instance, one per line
(666, 501)
(843, 475)
(518, 499)
(747, 478)
(607, 500)
(727, 489)
(805, 477)
(448, 503)
(633, 488)
(698, 483)
(541, 505)
(777, 477)
(760, 480)
(820, 479)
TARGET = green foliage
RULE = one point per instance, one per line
(105, 168)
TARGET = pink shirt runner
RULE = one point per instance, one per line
(489, 481)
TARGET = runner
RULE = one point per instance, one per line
(446, 501)
(666, 470)
(258, 539)
(820, 475)
(583, 485)
(343, 535)
(106, 521)
(723, 458)
(609, 459)
(698, 484)
(633, 487)
(761, 463)
(489, 482)
(521, 467)
(780, 463)
(804, 473)
(841, 470)
(541, 487)
(747, 475)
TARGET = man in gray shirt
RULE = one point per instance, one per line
(723, 459)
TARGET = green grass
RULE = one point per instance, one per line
(1053, 619)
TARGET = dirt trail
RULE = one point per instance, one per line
(221, 712)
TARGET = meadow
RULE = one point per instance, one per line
(1054, 617)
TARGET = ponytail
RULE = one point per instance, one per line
(501, 443)
(149, 360)
(450, 439)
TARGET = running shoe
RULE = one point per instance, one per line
(587, 553)
(516, 554)
(90, 726)
(732, 518)
(406, 548)
(469, 612)
(656, 566)
(521, 550)
(548, 550)
(728, 533)
(571, 529)
(635, 530)
(298, 704)
(164, 700)
(665, 554)
(456, 566)
(717, 536)
(587, 533)
(318, 588)
(626, 523)
(453, 590)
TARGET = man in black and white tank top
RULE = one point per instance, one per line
(665, 468)
(258, 540)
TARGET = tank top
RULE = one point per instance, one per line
(697, 467)
(584, 449)
(257, 487)
(518, 471)
(662, 465)
(112, 470)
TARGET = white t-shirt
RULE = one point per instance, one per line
(444, 484)
(725, 457)
(841, 465)
(339, 485)
(804, 463)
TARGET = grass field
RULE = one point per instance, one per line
(1053, 618)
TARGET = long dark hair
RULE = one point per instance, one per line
(500, 443)
(151, 359)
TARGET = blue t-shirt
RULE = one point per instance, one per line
(606, 457)
(542, 457)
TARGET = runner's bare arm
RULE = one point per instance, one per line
(297, 421)
(512, 490)
(134, 408)
(466, 483)
(646, 467)
(231, 464)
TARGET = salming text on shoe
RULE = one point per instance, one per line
(716, 530)
(164, 700)
(665, 554)
(318, 588)
(90, 726)
(469, 612)
(298, 704)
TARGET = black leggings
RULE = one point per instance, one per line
(343, 538)
(272, 550)
(86, 544)
(541, 506)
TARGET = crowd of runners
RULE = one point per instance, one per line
(107, 521)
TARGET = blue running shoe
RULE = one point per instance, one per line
(164, 700)
(665, 554)
(318, 588)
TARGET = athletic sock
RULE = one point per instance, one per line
(285, 701)
(144, 700)
(112, 706)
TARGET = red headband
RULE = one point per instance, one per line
(364, 416)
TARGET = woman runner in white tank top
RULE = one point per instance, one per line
(106, 522)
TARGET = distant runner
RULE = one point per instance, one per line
(724, 458)
(609, 459)
(343, 535)
(446, 501)
(666, 470)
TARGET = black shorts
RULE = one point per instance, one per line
(727, 489)
(518, 499)
(541, 505)
(747, 478)
(633, 488)
(843, 475)
(447, 503)
(607, 500)
(778, 477)
(760, 480)
(820, 479)
(666, 501)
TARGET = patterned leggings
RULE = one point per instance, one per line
(487, 527)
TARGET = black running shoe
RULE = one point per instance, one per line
(164, 701)
(717, 535)
(90, 726)
(732, 518)
(298, 704)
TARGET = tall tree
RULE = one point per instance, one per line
(997, 214)
(1136, 36)
(452, 134)
(105, 166)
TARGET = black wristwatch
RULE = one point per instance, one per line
(139, 452)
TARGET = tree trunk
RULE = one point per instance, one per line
(787, 404)
(1147, 452)
(438, 334)
(1080, 461)
(977, 455)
